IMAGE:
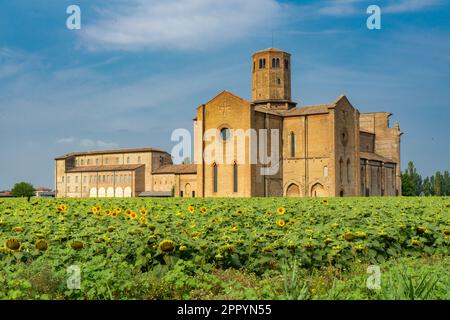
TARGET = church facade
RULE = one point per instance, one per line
(314, 151)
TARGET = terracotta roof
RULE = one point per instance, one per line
(42, 189)
(88, 153)
(375, 157)
(323, 108)
(176, 169)
(366, 132)
(269, 50)
(123, 167)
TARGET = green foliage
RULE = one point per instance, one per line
(413, 185)
(219, 248)
(22, 189)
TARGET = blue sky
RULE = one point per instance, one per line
(136, 70)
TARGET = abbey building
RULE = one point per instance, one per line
(320, 151)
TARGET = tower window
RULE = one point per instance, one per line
(214, 177)
(275, 63)
(341, 167)
(262, 63)
(292, 145)
(286, 64)
(278, 81)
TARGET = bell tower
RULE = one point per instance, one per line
(271, 79)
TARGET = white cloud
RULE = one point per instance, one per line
(89, 143)
(410, 5)
(344, 8)
(68, 140)
(178, 24)
(103, 144)
(340, 8)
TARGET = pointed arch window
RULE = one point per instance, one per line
(286, 64)
(341, 168)
(274, 63)
(292, 144)
(215, 177)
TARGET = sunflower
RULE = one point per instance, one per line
(239, 211)
(62, 208)
(191, 209)
(143, 220)
(77, 245)
(228, 248)
(360, 234)
(41, 245)
(108, 212)
(114, 214)
(143, 212)
(281, 211)
(446, 232)
(203, 210)
(281, 223)
(328, 241)
(421, 230)
(13, 244)
(128, 212)
(133, 215)
(349, 236)
(415, 242)
(359, 248)
(167, 246)
(95, 210)
(183, 248)
(325, 201)
(18, 229)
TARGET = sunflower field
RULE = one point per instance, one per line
(195, 248)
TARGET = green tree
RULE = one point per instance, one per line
(22, 189)
(426, 187)
(438, 184)
(411, 181)
(446, 183)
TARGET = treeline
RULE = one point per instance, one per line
(414, 185)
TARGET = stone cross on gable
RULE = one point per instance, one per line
(224, 107)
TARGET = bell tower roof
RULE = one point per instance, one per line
(269, 50)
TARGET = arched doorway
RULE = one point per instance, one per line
(93, 193)
(318, 190)
(187, 190)
(293, 190)
(101, 192)
(110, 192)
(127, 192)
(119, 192)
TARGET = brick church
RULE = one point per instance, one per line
(324, 150)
